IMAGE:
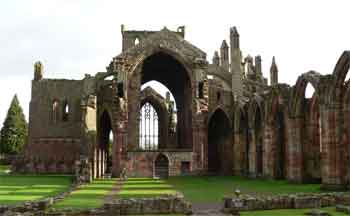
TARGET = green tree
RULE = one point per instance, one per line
(14, 132)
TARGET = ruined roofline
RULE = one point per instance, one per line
(180, 31)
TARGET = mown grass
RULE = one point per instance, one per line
(145, 188)
(201, 189)
(4, 169)
(87, 196)
(289, 212)
(15, 189)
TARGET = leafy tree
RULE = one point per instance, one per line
(14, 133)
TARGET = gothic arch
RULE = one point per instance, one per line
(298, 93)
(255, 105)
(139, 60)
(220, 148)
(158, 102)
(161, 166)
(224, 110)
(339, 73)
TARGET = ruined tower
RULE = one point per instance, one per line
(273, 73)
(236, 57)
(224, 55)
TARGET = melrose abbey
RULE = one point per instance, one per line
(218, 118)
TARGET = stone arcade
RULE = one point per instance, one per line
(225, 118)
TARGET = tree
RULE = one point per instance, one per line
(14, 133)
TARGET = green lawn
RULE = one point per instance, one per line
(4, 169)
(203, 189)
(19, 188)
(145, 187)
(87, 196)
(289, 212)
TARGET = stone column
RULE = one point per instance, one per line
(103, 161)
(252, 154)
(120, 147)
(294, 150)
(268, 149)
(332, 148)
(95, 163)
(238, 148)
(200, 146)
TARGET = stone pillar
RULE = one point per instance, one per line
(294, 150)
(103, 160)
(119, 148)
(95, 163)
(268, 149)
(200, 146)
(252, 154)
(238, 148)
(332, 148)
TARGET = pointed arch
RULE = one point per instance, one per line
(340, 71)
(161, 166)
(220, 148)
(298, 94)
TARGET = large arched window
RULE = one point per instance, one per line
(149, 128)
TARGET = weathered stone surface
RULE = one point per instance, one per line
(343, 208)
(269, 131)
(296, 201)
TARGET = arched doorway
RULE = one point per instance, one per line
(167, 70)
(161, 166)
(103, 151)
(220, 148)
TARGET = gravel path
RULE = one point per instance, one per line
(207, 209)
(112, 195)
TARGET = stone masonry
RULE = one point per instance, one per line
(226, 119)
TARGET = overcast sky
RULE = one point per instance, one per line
(74, 37)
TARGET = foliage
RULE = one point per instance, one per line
(14, 133)
(145, 187)
(87, 196)
(15, 189)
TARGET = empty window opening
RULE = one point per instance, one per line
(309, 92)
(200, 90)
(55, 111)
(137, 41)
(120, 89)
(148, 128)
(185, 167)
(218, 96)
(66, 111)
(347, 77)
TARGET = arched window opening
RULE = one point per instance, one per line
(218, 96)
(148, 128)
(347, 77)
(201, 90)
(120, 90)
(55, 105)
(309, 91)
(160, 89)
(137, 41)
(66, 112)
(103, 152)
